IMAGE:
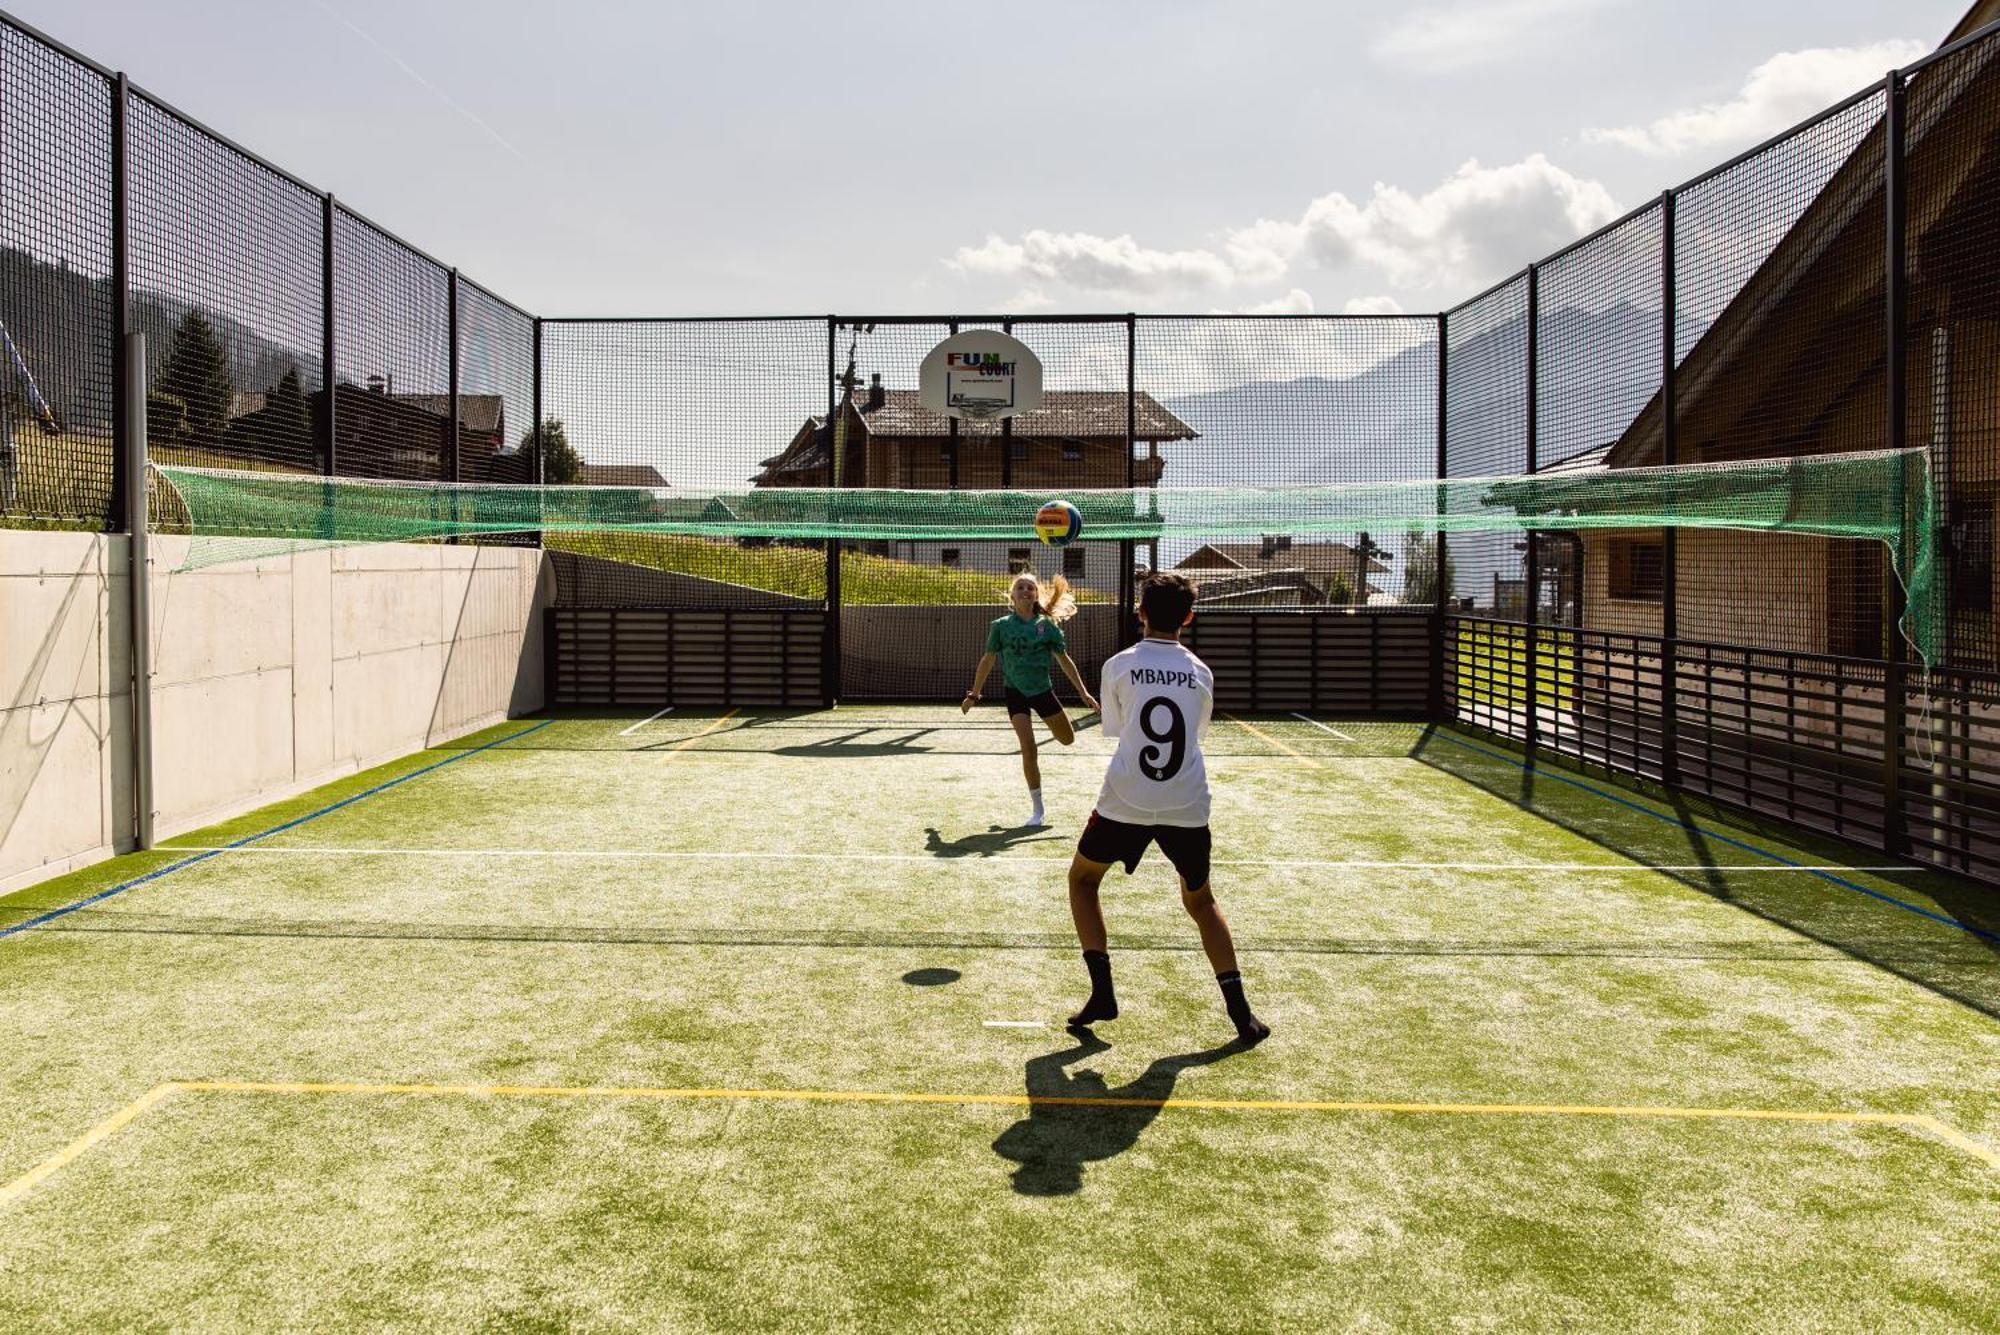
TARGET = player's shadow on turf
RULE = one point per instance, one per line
(995, 840)
(1055, 1140)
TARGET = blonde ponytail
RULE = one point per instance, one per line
(1058, 603)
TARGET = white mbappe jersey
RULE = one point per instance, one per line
(1157, 698)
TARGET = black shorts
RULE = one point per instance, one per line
(1186, 846)
(1044, 703)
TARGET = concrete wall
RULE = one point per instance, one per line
(270, 677)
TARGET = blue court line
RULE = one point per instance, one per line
(1680, 824)
(173, 867)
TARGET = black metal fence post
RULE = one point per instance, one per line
(1440, 587)
(829, 668)
(535, 436)
(1531, 722)
(122, 479)
(1006, 432)
(329, 412)
(451, 459)
(951, 447)
(1670, 605)
(1895, 838)
(1128, 550)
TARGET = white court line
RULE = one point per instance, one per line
(1025, 860)
(1324, 728)
(1014, 1024)
(644, 721)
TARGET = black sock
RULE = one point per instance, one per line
(1103, 1003)
(1248, 1027)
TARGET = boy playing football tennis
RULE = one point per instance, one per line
(1157, 701)
(1024, 642)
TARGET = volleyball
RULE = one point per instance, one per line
(1058, 523)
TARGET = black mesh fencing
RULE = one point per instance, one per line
(392, 357)
(57, 295)
(1781, 350)
(1259, 401)
(699, 404)
(1952, 266)
(227, 287)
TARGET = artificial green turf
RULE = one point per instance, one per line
(639, 965)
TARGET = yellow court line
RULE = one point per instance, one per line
(103, 1131)
(677, 747)
(111, 1125)
(1260, 734)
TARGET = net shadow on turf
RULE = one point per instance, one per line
(1957, 963)
(1885, 950)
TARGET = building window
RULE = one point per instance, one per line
(1072, 452)
(1017, 560)
(1018, 447)
(1637, 568)
(1072, 562)
(1972, 554)
(949, 556)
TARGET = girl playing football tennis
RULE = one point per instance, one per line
(1024, 642)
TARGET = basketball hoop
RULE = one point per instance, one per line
(981, 376)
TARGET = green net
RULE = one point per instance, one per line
(1882, 496)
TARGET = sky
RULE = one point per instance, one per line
(594, 158)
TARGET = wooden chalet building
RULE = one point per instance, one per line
(1075, 439)
(1795, 365)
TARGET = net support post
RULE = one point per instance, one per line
(329, 410)
(123, 480)
(1440, 589)
(1128, 550)
(1670, 606)
(140, 601)
(1895, 676)
(829, 660)
(1530, 714)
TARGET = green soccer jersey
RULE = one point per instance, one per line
(1026, 649)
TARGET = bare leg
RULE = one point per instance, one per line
(1214, 928)
(1088, 914)
(1031, 767)
(1221, 950)
(1060, 729)
(1085, 910)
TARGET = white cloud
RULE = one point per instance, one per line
(1298, 301)
(1474, 226)
(1443, 38)
(1027, 299)
(1780, 92)
(1372, 306)
(1470, 228)
(1097, 264)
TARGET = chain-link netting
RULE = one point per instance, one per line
(700, 404)
(227, 286)
(392, 357)
(56, 292)
(1952, 263)
(1286, 401)
(1780, 326)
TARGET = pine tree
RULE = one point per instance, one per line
(289, 437)
(561, 463)
(197, 373)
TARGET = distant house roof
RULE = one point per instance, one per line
(621, 475)
(1065, 414)
(484, 413)
(1277, 554)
